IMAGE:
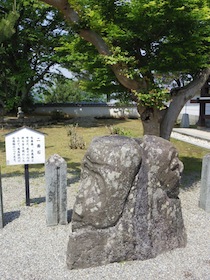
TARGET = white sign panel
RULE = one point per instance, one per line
(25, 146)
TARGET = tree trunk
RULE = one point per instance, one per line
(179, 99)
(151, 119)
(161, 123)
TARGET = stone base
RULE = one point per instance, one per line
(133, 238)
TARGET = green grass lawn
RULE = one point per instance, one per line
(57, 142)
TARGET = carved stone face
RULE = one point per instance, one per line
(109, 168)
(173, 174)
(108, 172)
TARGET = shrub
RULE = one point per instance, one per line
(118, 130)
(76, 141)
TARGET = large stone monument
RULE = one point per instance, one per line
(127, 207)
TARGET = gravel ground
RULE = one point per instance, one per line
(31, 250)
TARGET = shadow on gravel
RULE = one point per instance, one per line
(11, 216)
(38, 200)
(69, 215)
(32, 174)
(190, 180)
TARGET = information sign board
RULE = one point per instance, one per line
(25, 146)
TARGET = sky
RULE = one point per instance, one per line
(64, 71)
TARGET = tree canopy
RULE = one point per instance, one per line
(7, 22)
(26, 49)
(141, 36)
(140, 40)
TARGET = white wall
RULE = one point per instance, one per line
(82, 110)
(106, 110)
(192, 109)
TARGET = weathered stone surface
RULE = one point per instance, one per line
(204, 201)
(56, 192)
(109, 168)
(127, 207)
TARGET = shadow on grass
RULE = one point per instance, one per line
(35, 166)
(192, 171)
(2, 146)
(74, 170)
(191, 164)
(95, 122)
(37, 170)
(32, 174)
(12, 174)
(11, 216)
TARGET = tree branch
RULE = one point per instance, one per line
(63, 5)
(95, 39)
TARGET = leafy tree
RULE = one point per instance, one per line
(8, 19)
(139, 40)
(7, 22)
(89, 69)
(65, 90)
(27, 54)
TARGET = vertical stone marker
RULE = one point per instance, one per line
(56, 194)
(185, 122)
(204, 201)
(1, 206)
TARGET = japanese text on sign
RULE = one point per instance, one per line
(25, 147)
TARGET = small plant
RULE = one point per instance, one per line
(76, 141)
(117, 130)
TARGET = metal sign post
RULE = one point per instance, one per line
(27, 185)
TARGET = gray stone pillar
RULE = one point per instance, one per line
(56, 193)
(1, 206)
(204, 201)
(185, 123)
